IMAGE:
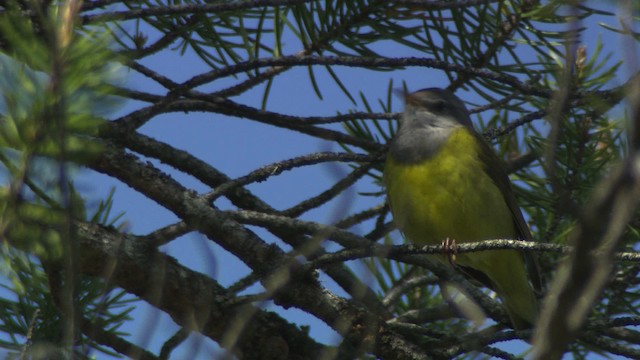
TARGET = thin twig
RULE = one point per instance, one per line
(277, 168)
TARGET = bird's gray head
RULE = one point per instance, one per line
(429, 117)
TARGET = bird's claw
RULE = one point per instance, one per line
(450, 250)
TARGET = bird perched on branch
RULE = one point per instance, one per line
(444, 182)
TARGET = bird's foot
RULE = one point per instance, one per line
(450, 250)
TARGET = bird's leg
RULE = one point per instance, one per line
(450, 250)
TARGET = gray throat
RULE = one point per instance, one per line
(412, 145)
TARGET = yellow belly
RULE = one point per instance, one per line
(449, 195)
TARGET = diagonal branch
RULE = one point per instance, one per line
(360, 328)
(192, 299)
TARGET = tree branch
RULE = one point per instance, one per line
(360, 328)
(192, 299)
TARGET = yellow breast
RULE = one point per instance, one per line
(448, 196)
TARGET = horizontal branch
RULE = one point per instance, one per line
(261, 174)
(171, 10)
(367, 62)
(359, 247)
(390, 251)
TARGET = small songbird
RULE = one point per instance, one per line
(444, 182)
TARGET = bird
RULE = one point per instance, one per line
(445, 183)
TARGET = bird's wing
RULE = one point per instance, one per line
(496, 172)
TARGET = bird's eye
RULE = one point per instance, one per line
(438, 106)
